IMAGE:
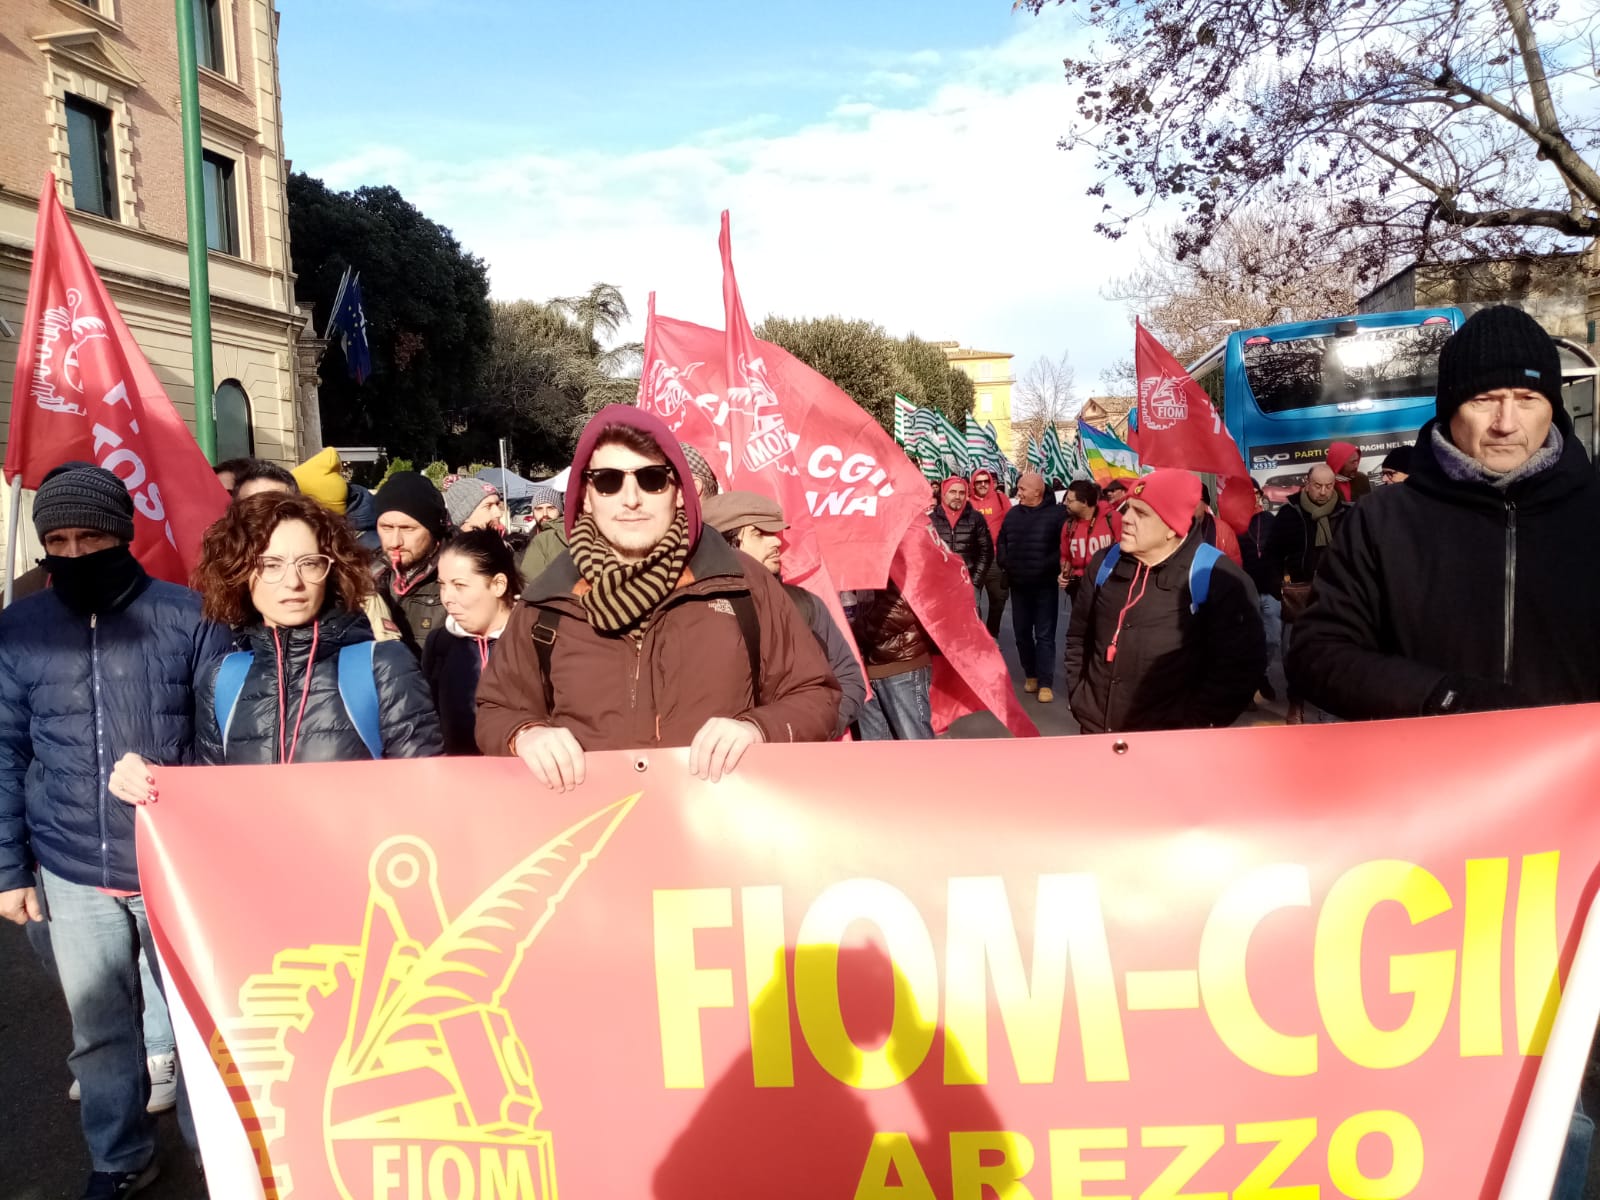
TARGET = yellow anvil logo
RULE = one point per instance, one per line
(430, 1091)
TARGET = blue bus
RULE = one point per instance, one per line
(1287, 392)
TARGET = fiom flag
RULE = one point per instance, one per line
(84, 391)
(1179, 427)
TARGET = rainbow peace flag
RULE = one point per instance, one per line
(1108, 457)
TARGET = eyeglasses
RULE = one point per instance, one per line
(608, 481)
(313, 568)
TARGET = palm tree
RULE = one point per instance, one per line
(600, 310)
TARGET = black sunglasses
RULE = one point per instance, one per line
(608, 481)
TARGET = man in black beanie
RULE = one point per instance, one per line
(100, 664)
(1465, 589)
(412, 522)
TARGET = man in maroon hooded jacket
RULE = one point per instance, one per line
(644, 633)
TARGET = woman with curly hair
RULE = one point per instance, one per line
(307, 684)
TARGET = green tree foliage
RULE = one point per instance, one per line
(427, 307)
(547, 371)
(871, 366)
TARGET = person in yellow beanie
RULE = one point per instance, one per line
(321, 478)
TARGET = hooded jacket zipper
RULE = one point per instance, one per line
(1511, 590)
(99, 743)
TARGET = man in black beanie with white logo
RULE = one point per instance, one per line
(100, 664)
(1472, 587)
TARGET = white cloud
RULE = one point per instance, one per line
(950, 212)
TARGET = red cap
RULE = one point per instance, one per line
(1172, 495)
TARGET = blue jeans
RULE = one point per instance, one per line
(158, 1037)
(1034, 607)
(1573, 1173)
(96, 940)
(899, 710)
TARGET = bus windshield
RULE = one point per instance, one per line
(1370, 364)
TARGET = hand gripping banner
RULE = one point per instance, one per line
(1168, 965)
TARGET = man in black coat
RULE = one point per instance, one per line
(1302, 533)
(1029, 552)
(964, 530)
(1152, 648)
(1474, 586)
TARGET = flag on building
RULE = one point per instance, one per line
(1107, 456)
(347, 324)
(1177, 426)
(84, 391)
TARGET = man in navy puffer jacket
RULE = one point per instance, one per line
(102, 662)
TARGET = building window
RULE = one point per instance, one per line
(235, 432)
(986, 402)
(983, 370)
(208, 36)
(222, 206)
(94, 179)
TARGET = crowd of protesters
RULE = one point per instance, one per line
(330, 623)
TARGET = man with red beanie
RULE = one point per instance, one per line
(1166, 632)
(963, 530)
(989, 501)
(643, 632)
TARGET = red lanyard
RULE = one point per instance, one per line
(287, 756)
(1111, 650)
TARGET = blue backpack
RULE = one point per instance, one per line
(1205, 558)
(357, 688)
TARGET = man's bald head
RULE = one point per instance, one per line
(1030, 489)
(1320, 483)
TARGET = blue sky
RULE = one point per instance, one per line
(892, 160)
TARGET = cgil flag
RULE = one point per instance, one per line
(856, 508)
(1178, 426)
(84, 391)
(904, 411)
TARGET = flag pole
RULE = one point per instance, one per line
(1542, 1137)
(205, 418)
(13, 524)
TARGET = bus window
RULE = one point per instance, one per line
(1372, 364)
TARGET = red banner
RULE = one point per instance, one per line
(84, 391)
(1179, 427)
(886, 970)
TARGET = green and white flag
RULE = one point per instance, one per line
(904, 411)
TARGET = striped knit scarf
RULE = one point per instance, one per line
(623, 596)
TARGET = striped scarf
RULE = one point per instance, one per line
(623, 596)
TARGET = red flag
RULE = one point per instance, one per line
(969, 674)
(1178, 427)
(782, 430)
(83, 390)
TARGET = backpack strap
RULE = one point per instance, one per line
(744, 607)
(358, 688)
(544, 640)
(230, 682)
(1200, 568)
(1107, 565)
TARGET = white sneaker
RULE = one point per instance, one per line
(163, 1070)
(73, 1093)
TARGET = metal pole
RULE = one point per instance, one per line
(503, 464)
(205, 416)
(13, 527)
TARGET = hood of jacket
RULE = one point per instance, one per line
(645, 422)
(360, 509)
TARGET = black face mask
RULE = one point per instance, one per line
(95, 583)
